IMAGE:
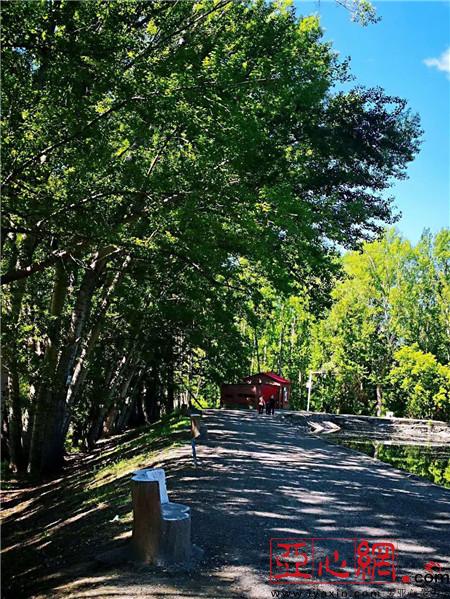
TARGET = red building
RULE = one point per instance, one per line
(250, 390)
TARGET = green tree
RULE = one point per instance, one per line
(393, 295)
(420, 386)
(144, 141)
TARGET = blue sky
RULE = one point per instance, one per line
(391, 54)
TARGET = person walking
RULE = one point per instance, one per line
(261, 404)
(271, 405)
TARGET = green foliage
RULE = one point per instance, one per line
(362, 11)
(420, 386)
(164, 164)
(278, 333)
(393, 295)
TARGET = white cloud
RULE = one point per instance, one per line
(442, 63)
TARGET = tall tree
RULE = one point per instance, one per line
(202, 140)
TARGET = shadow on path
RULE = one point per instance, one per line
(259, 478)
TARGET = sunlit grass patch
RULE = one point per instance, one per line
(138, 452)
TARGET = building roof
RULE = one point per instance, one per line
(273, 376)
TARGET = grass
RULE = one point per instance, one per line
(60, 522)
(131, 455)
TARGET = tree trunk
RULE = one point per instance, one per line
(258, 362)
(137, 416)
(69, 352)
(80, 371)
(4, 440)
(108, 425)
(124, 362)
(170, 388)
(29, 419)
(14, 416)
(111, 426)
(150, 406)
(379, 399)
(129, 403)
(11, 373)
(41, 459)
(98, 410)
(280, 351)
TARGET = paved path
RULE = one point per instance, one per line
(261, 478)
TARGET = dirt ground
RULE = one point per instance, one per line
(260, 478)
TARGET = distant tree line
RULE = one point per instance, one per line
(383, 345)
